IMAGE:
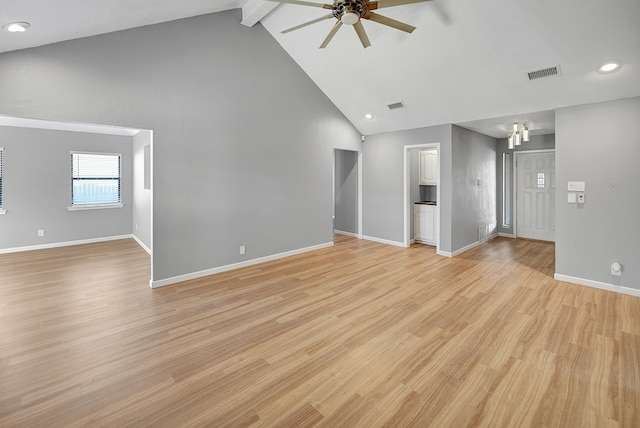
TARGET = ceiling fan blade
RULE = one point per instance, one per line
(305, 3)
(389, 22)
(297, 27)
(389, 3)
(332, 33)
(362, 34)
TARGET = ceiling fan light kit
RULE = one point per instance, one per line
(352, 12)
(350, 18)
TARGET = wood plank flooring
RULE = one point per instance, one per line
(357, 335)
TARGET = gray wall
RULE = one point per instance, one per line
(243, 139)
(474, 157)
(600, 145)
(537, 142)
(464, 156)
(37, 188)
(141, 196)
(383, 182)
(346, 192)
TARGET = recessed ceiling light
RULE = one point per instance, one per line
(368, 116)
(16, 27)
(609, 67)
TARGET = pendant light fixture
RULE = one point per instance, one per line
(518, 135)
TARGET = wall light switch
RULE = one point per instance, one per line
(571, 198)
(242, 249)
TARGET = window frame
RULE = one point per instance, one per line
(95, 205)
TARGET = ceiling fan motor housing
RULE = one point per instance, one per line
(357, 8)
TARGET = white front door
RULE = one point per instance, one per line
(536, 195)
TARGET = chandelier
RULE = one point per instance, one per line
(518, 134)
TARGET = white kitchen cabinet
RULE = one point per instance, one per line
(428, 167)
(424, 219)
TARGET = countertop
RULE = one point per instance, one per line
(426, 203)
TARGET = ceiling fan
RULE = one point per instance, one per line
(352, 12)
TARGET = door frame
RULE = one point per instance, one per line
(407, 189)
(359, 196)
(514, 196)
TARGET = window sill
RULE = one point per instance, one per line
(82, 207)
(3, 212)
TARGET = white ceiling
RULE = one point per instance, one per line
(466, 63)
(57, 20)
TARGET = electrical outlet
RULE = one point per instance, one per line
(242, 249)
(616, 269)
(40, 233)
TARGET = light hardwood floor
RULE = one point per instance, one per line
(358, 335)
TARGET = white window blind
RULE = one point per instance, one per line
(95, 178)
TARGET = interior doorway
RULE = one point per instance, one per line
(411, 193)
(347, 193)
(535, 190)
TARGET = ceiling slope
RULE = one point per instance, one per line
(467, 61)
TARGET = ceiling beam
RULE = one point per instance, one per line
(254, 10)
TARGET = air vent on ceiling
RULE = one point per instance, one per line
(545, 72)
(397, 105)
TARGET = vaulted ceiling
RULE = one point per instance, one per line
(466, 63)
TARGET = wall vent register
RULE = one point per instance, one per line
(395, 106)
(544, 73)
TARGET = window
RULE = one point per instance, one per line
(541, 180)
(95, 180)
(1, 210)
(507, 180)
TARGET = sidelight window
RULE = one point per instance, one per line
(507, 182)
(1, 150)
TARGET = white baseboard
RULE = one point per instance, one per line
(490, 237)
(384, 241)
(64, 244)
(597, 284)
(444, 253)
(212, 271)
(351, 234)
(465, 249)
(144, 247)
(507, 235)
